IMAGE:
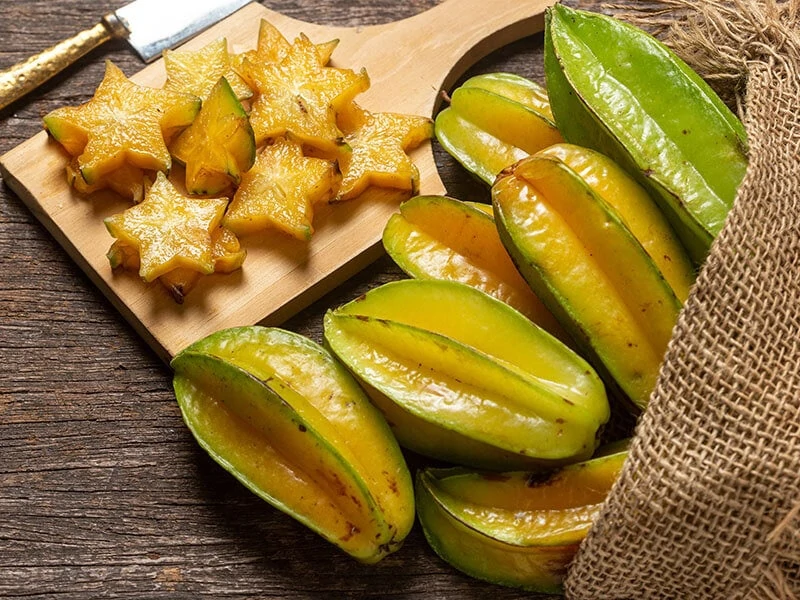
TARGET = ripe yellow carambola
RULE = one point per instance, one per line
(600, 256)
(289, 422)
(463, 377)
(517, 529)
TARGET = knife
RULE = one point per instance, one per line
(149, 26)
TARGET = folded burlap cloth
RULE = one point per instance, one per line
(708, 504)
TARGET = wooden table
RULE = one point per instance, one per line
(103, 491)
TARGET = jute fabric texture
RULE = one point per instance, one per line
(707, 505)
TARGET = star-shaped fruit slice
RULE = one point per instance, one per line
(123, 122)
(378, 144)
(228, 256)
(218, 146)
(196, 72)
(128, 181)
(299, 96)
(273, 47)
(227, 252)
(169, 230)
(281, 190)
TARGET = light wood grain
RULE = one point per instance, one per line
(409, 63)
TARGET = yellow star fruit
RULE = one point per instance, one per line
(169, 230)
(280, 191)
(122, 123)
(378, 143)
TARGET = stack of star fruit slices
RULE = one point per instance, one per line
(262, 137)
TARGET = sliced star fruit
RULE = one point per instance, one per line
(473, 381)
(280, 190)
(227, 252)
(300, 96)
(122, 123)
(272, 47)
(289, 422)
(378, 144)
(518, 529)
(128, 181)
(169, 230)
(196, 72)
(219, 145)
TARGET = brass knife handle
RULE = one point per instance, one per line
(29, 74)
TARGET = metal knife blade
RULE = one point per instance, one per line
(156, 25)
(149, 25)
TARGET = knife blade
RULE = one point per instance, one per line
(155, 25)
(149, 26)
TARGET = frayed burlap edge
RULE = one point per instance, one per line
(707, 505)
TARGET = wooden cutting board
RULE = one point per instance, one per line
(409, 62)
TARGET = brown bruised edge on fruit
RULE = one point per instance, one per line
(237, 126)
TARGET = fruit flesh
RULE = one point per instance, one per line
(378, 144)
(122, 123)
(169, 230)
(299, 96)
(280, 191)
(196, 72)
(219, 145)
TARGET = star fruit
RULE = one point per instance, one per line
(169, 230)
(123, 123)
(378, 143)
(273, 47)
(298, 96)
(219, 145)
(280, 191)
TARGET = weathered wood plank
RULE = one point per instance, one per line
(281, 274)
(103, 493)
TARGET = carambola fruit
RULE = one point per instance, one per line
(494, 120)
(616, 89)
(463, 377)
(169, 230)
(219, 145)
(517, 529)
(282, 416)
(573, 241)
(436, 237)
(123, 123)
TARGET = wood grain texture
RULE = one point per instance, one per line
(281, 274)
(103, 492)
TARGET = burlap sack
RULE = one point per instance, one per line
(708, 504)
